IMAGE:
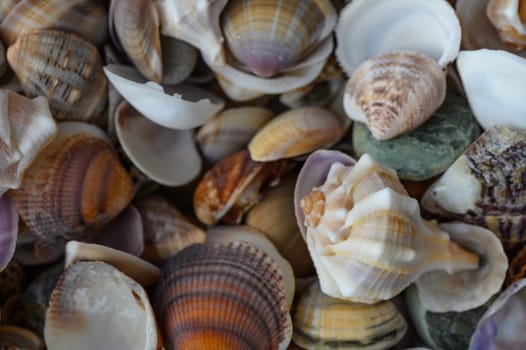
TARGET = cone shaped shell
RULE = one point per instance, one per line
(77, 184)
(216, 296)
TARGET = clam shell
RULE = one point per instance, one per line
(295, 133)
(6, 6)
(223, 296)
(179, 60)
(69, 73)
(13, 337)
(507, 16)
(137, 26)
(321, 322)
(235, 92)
(369, 28)
(8, 231)
(395, 93)
(77, 184)
(94, 305)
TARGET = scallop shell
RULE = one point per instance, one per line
(321, 322)
(166, 230)
(86, 18)
(13, 337)
(485, 186)
(137, 26)
(69, 75)
(232, 186)
(369, 28)
(367, 239)
(94, 305)
(8, 231)
(508, 17)
(77, 184)
(395, 93)
(223, 296)
(296, 132)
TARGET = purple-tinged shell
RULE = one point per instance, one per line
(500, 327)
(8, 230)
(314, 173)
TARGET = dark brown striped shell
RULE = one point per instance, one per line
(222, 296)
(64, 68)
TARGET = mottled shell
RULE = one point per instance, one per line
(321, 322)
(395, 93)
(95, 306)
(166, 230)
(69, 73)
(295, 133)
(76, 185)
(222, 296)
(268, 37)
(232, 186)
(509, 18)
(137, 26)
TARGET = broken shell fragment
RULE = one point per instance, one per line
(8, 231)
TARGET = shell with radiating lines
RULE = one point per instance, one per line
(64, 68)
(76, 185)
(222, 296)
(395, 93)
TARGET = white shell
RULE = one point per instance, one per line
(185, 107)
(369, 28)
(497, 95)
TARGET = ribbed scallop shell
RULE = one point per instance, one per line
(137, 26)
(296, 132)
(222, 296)
(64, 68)
(509, 18)
(267, 37)
(77, 184)
(95, 306)
(395, 93)
(321, 322)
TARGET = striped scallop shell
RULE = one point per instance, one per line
(222, 296)
(64, 68)
(321, 322)
(267, 37)
(76, 185)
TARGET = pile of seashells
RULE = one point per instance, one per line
(262, 174)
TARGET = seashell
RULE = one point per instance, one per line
(76, 185)
(367, 239)
(395, 93)
(230, 130)
(30, 251)
(11, 279)
(166, 230)
(369, 28)
(71, 78)
(8, 231)
(241, 233)
(137, 26)
(222, 296)
(508, 17)
(496, 98)
(322, 322)
(13, 337)
(6, 6)
(274, 216)
(465, 289)
(232, 186)
(296, 132)
(85, 18)
(261, 40)
(26, 128)
(140, 270)
(179, 60)
(494, 329)
(181, 107)
(235, 92)
(196, 22)
(94, 305)
(485, 185)
(517, 266)
(167, 156)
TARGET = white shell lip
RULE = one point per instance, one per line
(369, 28)
(173, 111)
(497, 96)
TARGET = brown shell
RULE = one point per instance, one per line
(64, 68)
(12, 337)
(11, 279)
(222, 296)
(232, 186)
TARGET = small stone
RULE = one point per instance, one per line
(428, 150)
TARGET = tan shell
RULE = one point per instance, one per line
(77, 184)
(395, 93)
(71, 78)
(5, 7)
(509, 18)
